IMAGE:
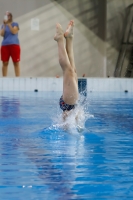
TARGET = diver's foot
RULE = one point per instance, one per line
(69, 31)
(59, 33)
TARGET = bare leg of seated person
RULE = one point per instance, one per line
(66, 60)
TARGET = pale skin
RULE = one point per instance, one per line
(67, 63)
(14, 30)
(66, 60)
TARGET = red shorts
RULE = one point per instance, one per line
(12, 51)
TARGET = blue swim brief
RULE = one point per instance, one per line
(65, 106)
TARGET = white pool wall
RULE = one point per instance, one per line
(55, 84)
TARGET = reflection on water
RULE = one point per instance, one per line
(9, 107)
(45, 163)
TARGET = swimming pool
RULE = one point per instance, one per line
(38, 162)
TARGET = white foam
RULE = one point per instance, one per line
(74, 123)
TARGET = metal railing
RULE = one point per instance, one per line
(124, 47)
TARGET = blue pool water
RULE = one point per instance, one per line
(41, 163)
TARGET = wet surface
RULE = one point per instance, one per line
(38, 162)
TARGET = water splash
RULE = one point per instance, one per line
(74, 123)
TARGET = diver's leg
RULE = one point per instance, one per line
(70, 88)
